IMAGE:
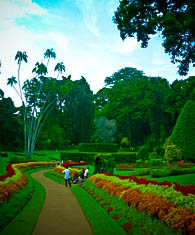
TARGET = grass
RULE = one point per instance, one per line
(187, 179)
(100, 221)
(25, 221)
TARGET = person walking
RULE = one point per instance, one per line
(86, 173)
(67, 176)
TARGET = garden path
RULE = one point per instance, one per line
(61, 213)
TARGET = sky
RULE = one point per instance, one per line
(84, 38)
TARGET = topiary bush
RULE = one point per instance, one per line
(142, 153)
(172, 153)
(183, 134)
(124, 142)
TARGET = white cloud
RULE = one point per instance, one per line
(90, 16)
(10, 10)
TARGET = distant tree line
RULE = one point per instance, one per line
(142, 109)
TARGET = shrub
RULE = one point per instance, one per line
(172, 153)
(183, 134)
(176, 171)
(144, 171)
(155, 173)
(124, 157)
(142, 153)
(124, 142)
(98, 147)
(155, 162)
(3, 154)
(80, 156)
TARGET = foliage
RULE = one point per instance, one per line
(174, 19)
(105, 129)
(98, 147)
(124, 142)
(172, 153)
(11, 127)
(183, 134)
(142, 153)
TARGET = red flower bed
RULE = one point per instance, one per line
(10, 172)
(184, 189)
(127, 227)
(69, 164)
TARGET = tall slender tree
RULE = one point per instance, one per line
(49, 54)
(34, 116)
(60, 67)
(20, 56)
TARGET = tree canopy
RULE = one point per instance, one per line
(173, 18)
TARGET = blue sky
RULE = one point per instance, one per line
(83, 36)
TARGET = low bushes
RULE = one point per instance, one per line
(78, 156)
(132, 221)
(3, 154)
(163, 202)
(98, 147)
(17, 181)
(120, 157)
(124, 157)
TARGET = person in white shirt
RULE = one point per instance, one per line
(86, 173)
(66, 173)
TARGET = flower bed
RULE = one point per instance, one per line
(160, 201)
(16, 179)
(74, 172)
(184, 189)
(132, 221)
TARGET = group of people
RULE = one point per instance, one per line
(80, 179)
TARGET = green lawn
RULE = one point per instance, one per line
(187, 179)
(99, 219)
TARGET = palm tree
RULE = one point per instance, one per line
(11, 82)
(40, 69)
(49, 54)
(60, 67)
(20, 56)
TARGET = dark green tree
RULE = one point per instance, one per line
(40, 69)
(174, 19)
(183, 135)
(10, 124)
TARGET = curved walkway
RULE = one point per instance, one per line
(61, 213)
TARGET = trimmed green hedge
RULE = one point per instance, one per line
(124, 157)
(80, 156)
(120, 157)
(183, 134)
(98, 147)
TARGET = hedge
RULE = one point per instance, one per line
(120, 157)
(183, 134)
(80, 156)
(98, 147)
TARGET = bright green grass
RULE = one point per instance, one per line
(25, 221)
(100, 221)
(187, 179)
(53, 177)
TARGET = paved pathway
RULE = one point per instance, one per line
(61, 213)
